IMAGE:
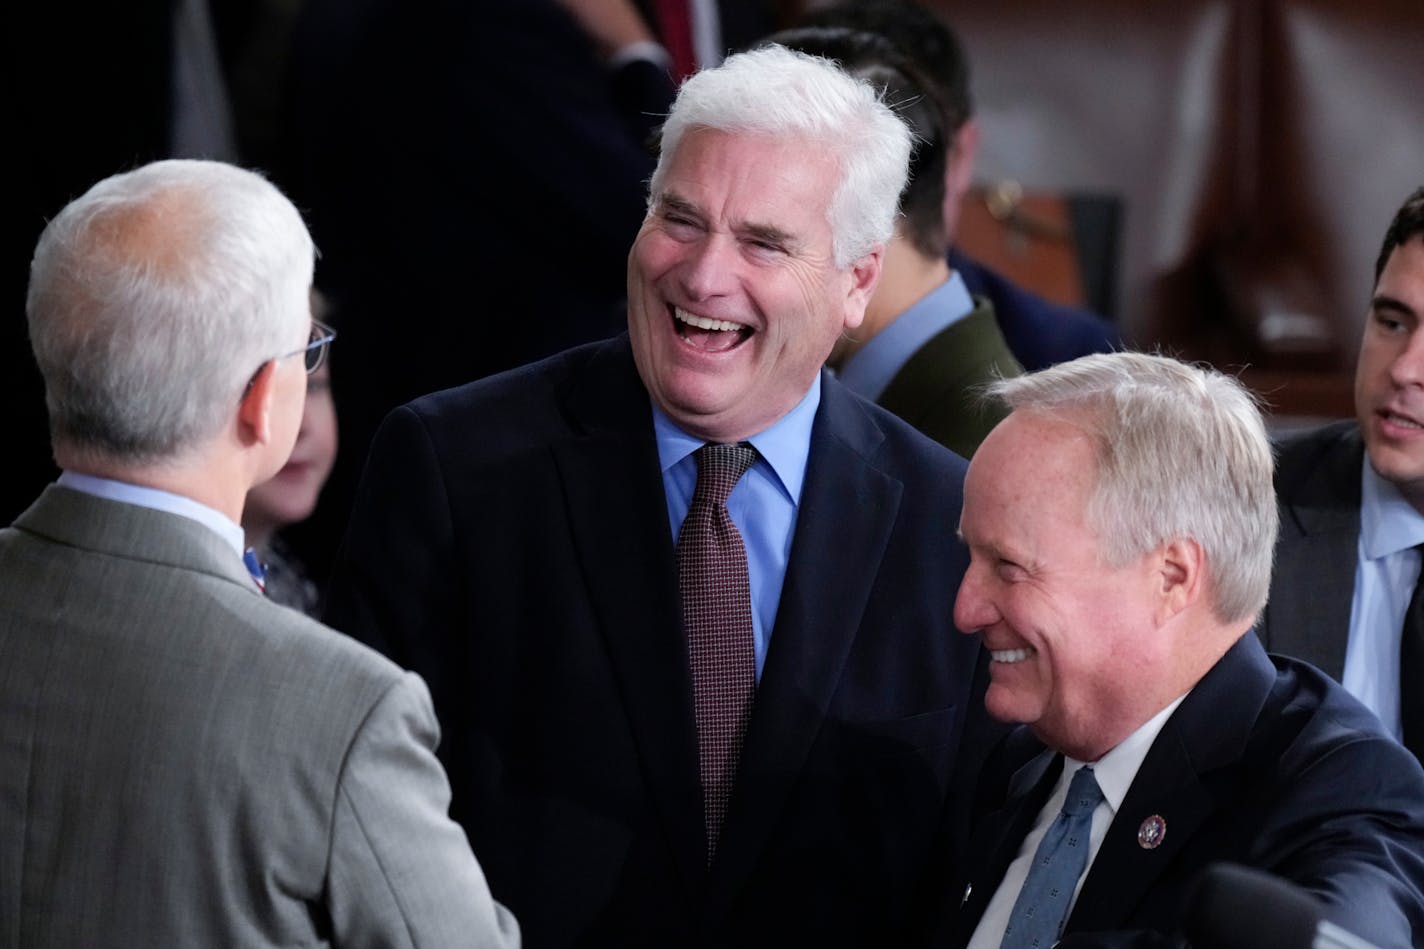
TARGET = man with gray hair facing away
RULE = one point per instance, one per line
(683, 599)
(183, 763)
(1120, 525)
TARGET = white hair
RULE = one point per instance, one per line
(778, 92)
(155, 297)
(1182, 453)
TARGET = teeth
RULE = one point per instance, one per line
(1011, 655)
(1403, 421)
(704, 323)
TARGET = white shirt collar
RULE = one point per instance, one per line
(158, 500)
(1388, 523)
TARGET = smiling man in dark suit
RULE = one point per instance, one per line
(1352, 508)
(1120, 524)
(524, 541)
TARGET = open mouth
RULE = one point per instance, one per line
(1011, 656)
(708, 335)
(1402, 421)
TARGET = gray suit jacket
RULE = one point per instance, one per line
(1318, 490)
(183, 763)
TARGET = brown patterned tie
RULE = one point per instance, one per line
(717, 615)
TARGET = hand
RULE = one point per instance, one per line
(611, 24)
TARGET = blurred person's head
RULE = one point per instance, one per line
(938, 60)
(773, 198)
(1389, 376)
(1121, 524)
(164, 304)
(290, 496)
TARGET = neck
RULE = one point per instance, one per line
(906, 278)
(211, 481)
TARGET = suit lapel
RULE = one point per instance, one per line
(1313, 586)
(1207, 733)
(613, 486)
(998, 835)
(848, 505)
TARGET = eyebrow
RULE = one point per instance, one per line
(1384, 302)
(769, 233)
(668, 201)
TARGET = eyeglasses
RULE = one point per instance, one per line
(314, 352)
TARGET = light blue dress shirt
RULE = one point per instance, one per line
(158, 500)
(1386, 569)
(763, 505)
(872, 367)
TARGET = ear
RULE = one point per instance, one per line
(254, 412)
(959, 163)
(864, 275)
(1179, 575)
(959, 174)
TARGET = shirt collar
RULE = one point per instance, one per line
(1116, 770)
(1388, 523)
(158, 500)
(871, 368)
(785, 445)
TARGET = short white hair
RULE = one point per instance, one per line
(155, 297)
(777, 92)
(1182, 452)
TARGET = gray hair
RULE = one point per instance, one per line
(775, 91)
(154, 297)
(1182, 452)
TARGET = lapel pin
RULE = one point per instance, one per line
(967, 890)
(1151, 833)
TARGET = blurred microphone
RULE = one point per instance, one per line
(1234, 907)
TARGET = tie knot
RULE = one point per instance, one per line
(1083, 793)
(720, 466)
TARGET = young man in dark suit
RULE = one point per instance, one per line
(1352, 508)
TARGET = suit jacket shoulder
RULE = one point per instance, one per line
(1039, 332)
(1318, 495)
(200, 744)
(937, 390)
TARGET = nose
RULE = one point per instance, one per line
(709, 269)
(1407, 369)
(973, 607)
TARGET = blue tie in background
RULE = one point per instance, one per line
(254, 567)
(1042, 906)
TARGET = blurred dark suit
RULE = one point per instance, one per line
(1040, 332)
(1317, 553)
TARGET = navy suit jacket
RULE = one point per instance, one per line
(511, 543)
(1317, 552)
(1040, 332)
(1267, 763)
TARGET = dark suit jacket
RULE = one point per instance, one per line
(1039, 332)
(937, 389)
(183, 763)
(1318, 491)
(511, 542)
(1267, 763)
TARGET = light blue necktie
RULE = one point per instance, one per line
(1042, 906)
